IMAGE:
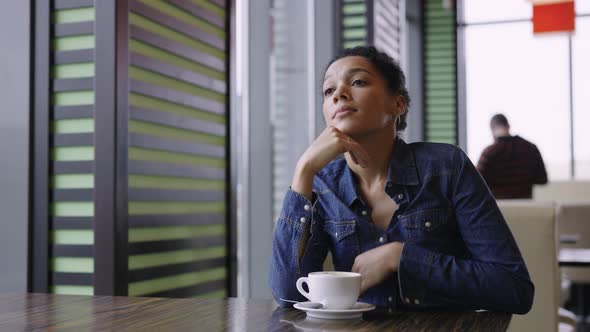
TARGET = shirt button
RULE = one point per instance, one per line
(390, 299)
(389, 184)
(407, 300)
(416, 301)
(306, 207)
(303, 219)
(400, 196)
(364, 213)
(381, 240)
(428, 224)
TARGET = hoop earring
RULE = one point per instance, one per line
(398, 120)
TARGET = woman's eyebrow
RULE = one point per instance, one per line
(350, 72)
(356, 70)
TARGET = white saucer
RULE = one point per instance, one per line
(353, 313)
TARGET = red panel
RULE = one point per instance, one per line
(554, 17)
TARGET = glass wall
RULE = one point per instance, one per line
(581, 100)
(510, 70)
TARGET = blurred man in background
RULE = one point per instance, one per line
(512, 164)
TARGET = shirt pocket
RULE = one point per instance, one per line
(345, 242)
(428, 225)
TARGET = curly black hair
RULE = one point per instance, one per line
(388, 67)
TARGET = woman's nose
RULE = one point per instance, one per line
(340, 94)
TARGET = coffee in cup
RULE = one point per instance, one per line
(334, 290)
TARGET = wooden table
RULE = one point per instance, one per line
(577, 257)
(21, 312)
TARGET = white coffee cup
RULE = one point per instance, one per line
(335, 290)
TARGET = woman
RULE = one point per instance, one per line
(415, 220)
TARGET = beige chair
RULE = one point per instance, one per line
(534, 227)
(560, 191)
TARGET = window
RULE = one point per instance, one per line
(525, 77)
(581, 97)
(476, 11)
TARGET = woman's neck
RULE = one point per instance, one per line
(379, 147)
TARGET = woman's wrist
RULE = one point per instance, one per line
(302, 182)
(396, 249)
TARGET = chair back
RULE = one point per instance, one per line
(561, 191)
(533, 225)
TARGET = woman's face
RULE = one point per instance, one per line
(356, 98)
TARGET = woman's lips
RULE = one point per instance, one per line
(343, 111)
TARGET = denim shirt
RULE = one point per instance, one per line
(458, 250)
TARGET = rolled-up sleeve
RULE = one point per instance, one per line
(493, 277)
(299, 246)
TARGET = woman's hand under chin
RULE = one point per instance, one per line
(377, 264)
(331, 143)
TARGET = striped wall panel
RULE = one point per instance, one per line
(71, 147)
(440, 73)
(177, 148)
(354, 23)
(371, 22)
(387, 26)
(279, 65)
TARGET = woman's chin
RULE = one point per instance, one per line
(345, 127)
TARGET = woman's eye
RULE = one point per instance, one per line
(328, 91)
(359, 82)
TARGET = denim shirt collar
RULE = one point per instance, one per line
(402, 170)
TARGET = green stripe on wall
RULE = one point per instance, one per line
(156, 104)
(72, 236)
(350, 44)
(186, 17)
(73, 15)
(71, 43)
(440, 74)
(182, 280)
(360, 33)
(70, 98)
(72, 181)
(70, 126)
(172, 83)
(72, 264)
(164, 56)
(73, 70)
(72, 290)
(171, 182)
(173, 157)
(72, 209)
(174, 133)
(213, 295)
(71, 153)
(358, 20)
(174, 257)
(136, 208)
(174, 232)
(170, 34)
(354, 9)
(211, 7)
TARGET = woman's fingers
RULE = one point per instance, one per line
(354, 159)
(358, 153)
(344, 143)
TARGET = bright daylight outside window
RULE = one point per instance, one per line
(510, 70)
